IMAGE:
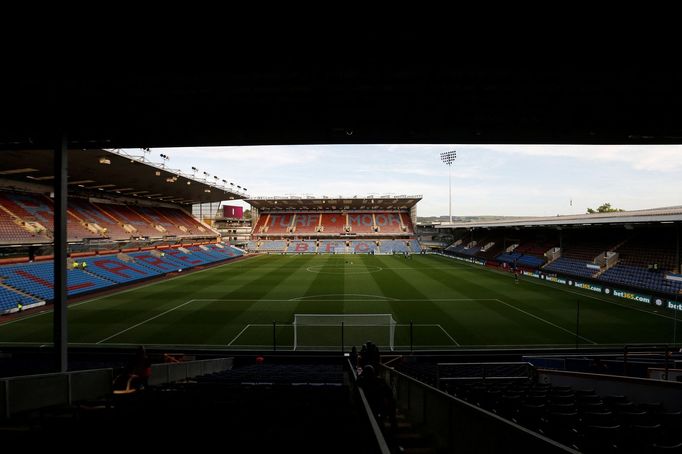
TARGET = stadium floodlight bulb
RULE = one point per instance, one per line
(448, 157)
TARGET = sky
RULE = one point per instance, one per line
(504, 180)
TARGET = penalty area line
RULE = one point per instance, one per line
(145, 321)
(448, 334)
(240, 333)
(546, 321)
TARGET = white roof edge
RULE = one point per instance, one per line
(665, 214)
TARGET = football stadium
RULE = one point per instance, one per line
(135, 295)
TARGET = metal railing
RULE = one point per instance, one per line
(172, 372)
(484, 371)
(382, 446)
(32, 392)
(458, 426)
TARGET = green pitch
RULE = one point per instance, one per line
(436, 302)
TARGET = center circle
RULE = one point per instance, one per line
(342, 269)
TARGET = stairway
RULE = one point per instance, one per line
(406, 438)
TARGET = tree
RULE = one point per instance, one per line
(247, 214)
(605, 208)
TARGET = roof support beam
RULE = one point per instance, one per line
(60, 324)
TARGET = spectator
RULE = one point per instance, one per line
(371, 354)
(362, 356)
(139, 369)
(379, 396)
(354, 357)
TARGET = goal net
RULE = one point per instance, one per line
(324, 331)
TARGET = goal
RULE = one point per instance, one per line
(325, 331)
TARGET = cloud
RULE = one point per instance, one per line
(654, 158)
(486, 179)
(264, 156)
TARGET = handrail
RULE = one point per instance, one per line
(456, 425)
(32, 392)
(485, 371)
(378, 434)
(172, 372)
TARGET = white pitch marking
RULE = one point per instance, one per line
(467, 265)
(362, 295)
(219, 346)
(320, 269)
(240, 333)
(345, 300)
(546, 321)
(118, 293)
(601, 299)
(448, 334)
(145, 321)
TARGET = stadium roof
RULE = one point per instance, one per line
(115, 173)
(277, 99)
(370, 202)
(653, 215)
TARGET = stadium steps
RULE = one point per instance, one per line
(407, 439)
(21, 292)
(619, 245)
(417, 450)
(148, 267)
(104, 278)
(604, 270)
(549, 262)
(231, 417)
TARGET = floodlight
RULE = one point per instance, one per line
(448, 158)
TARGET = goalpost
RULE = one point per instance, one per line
(338, 330)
